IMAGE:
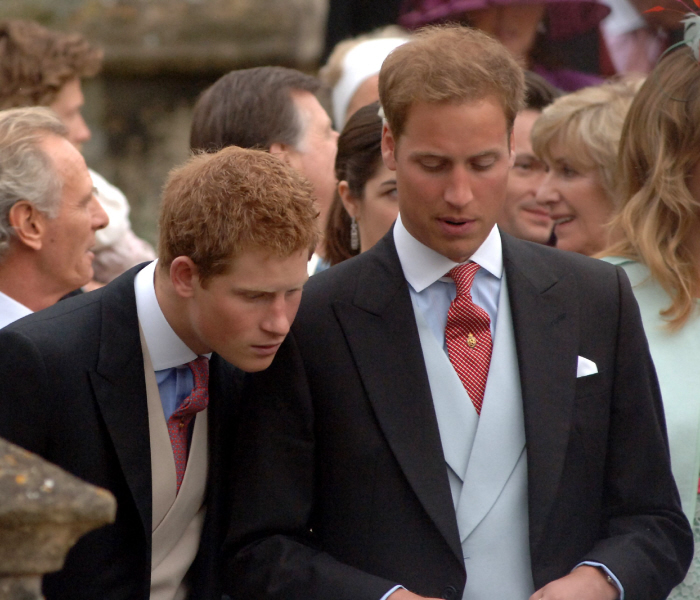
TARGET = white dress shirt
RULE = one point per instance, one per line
(169, 354)
(11, 310)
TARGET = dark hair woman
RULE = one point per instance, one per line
(365, 205)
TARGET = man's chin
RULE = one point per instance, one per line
(250, 364)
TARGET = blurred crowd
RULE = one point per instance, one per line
(603, 162)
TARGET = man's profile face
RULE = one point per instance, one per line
(524, 214)
(451, 164)
(314, 155)
(65, 256)
(67, 105)
(244, 314)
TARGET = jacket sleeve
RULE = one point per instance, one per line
(270, 551)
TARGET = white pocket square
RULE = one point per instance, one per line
(585, 367)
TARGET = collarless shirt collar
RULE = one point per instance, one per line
(167, 350)
(422, 266)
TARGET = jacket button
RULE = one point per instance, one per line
(449, 593)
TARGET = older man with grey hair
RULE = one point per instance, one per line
(48, 213)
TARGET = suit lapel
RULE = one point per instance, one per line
(381, 331)
(546, 338)
(120, 390)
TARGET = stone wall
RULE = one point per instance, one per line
(159, 56)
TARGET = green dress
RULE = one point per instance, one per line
(677, 360)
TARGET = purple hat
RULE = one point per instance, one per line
(567, 18)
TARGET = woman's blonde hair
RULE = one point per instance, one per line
(588, 123)
(658, 215)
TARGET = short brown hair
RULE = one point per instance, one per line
(250, 108)
(448, 64)
(35, 63)
(216, 205)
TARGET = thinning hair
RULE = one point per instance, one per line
(26, 172)
(588, 123)
(449, 64)
(250, 108)
(658, 220)
(35, 62)
(217, 205)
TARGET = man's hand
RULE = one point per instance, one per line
(583, 583)
(406, 595)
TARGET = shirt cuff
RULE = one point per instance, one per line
(391, 591)
(608, 572)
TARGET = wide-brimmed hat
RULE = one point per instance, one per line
(566, 18)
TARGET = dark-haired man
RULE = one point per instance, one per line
(133, 387)
(275, 109)
(457, 413)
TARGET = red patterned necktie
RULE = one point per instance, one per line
(468, 335)
(179, 421)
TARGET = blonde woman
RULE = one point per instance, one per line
(657, 233)
(577, 136)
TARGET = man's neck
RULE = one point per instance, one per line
(22, 281)
(175, 311)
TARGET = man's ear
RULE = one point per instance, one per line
(287, 154)
(184, 276)
(29, 224)
(388, 148)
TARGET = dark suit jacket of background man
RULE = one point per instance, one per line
(72, 389)
(342, 487)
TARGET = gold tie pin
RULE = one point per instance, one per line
(471, 340)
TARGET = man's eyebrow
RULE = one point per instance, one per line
(90, 195)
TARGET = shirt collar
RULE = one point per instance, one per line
(422, 266)
(167, 350)
(11, 310)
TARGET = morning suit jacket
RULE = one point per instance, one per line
(342, 488)
(72, 390)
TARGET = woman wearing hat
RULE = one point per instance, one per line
(528, 29)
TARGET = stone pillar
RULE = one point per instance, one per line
(43, 512)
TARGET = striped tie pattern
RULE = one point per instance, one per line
(468, 335)
(179, 421)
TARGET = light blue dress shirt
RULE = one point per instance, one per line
(169, 354)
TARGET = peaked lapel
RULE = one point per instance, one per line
(120, 390)
(380, 329)
(545, 325)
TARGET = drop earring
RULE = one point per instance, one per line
(354, 235)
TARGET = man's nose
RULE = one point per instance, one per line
(277, 320)
(100, 219)
(459, 188)
(81, 133)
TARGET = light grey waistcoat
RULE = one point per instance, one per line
(486, 463)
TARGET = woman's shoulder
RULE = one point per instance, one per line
(637, 272)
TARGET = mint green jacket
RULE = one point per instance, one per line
(676, 356)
